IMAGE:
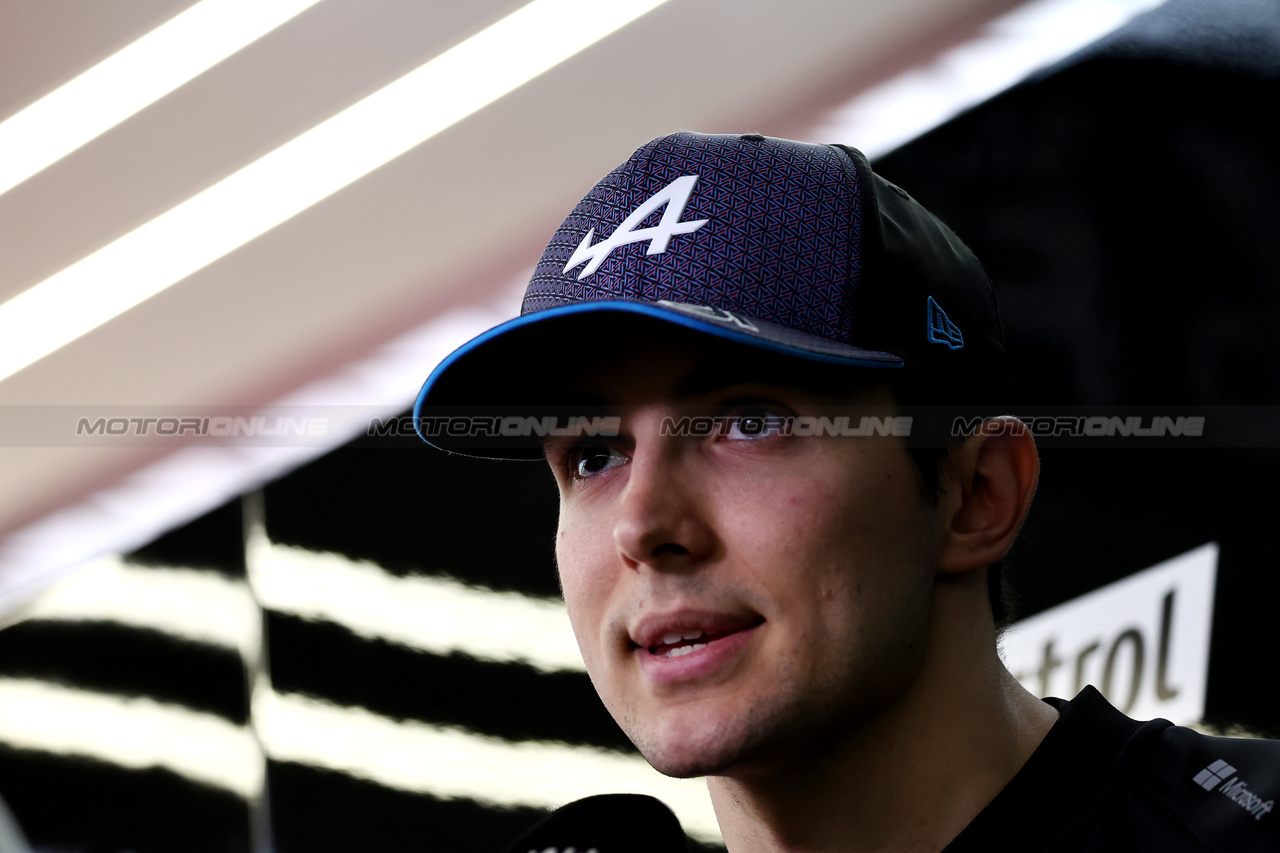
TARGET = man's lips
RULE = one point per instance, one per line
(684, 631)
(679, 649)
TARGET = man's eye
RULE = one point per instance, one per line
(748, 426)
(596, 459)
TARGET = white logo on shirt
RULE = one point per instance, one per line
(1234, 789)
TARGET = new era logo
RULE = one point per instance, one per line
(941, 329)
(1213, 775)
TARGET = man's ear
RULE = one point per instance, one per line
(993, 477)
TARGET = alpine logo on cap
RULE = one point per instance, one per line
(674, 195)
(941, 329)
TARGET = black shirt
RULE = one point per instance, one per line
(1103, 782)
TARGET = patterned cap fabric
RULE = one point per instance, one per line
(793, 247)
(781, 241)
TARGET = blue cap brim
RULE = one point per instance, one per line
(472, 365)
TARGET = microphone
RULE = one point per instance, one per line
(607, 823)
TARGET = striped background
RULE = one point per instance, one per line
(418, 687)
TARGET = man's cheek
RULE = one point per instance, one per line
(585, 594)
(585, 552)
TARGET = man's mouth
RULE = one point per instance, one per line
(675, 644)
(678, 641)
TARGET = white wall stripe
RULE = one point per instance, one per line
(192, 481)
(438, 615)
(1030, 37)
(132, 78)
(439, 761)
(302, 172)
(131, 732)
(448, 763)
(201, 606)
(434, 614)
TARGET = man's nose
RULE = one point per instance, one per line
(663, 520)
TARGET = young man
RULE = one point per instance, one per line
(779, 577)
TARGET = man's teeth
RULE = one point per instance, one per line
(674, 637)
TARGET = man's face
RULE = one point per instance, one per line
(739, 599)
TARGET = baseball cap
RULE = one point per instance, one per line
(795, 248)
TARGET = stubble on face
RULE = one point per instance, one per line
(800, 696)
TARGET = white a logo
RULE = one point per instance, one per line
(674, 195)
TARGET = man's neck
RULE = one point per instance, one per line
(908, 779)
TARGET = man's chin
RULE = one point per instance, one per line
(682, 763)
(698, 749)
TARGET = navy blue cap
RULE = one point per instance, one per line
(791, 247)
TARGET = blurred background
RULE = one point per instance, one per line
(244, 610)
